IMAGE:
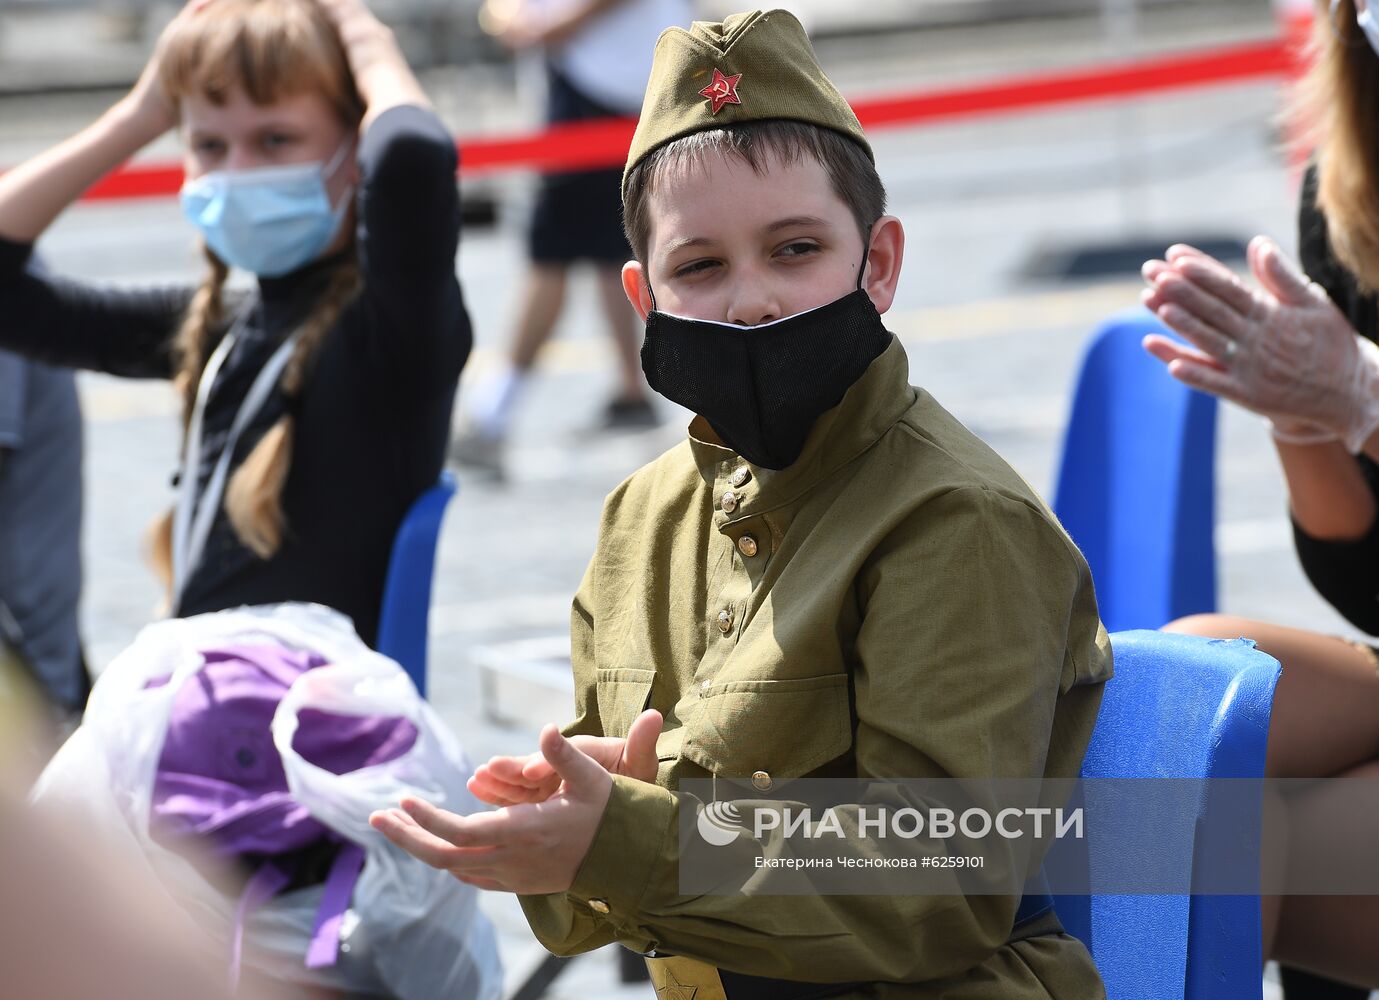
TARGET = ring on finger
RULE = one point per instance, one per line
(1230, 350)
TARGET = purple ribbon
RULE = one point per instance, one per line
(266, 883)
(335, 900)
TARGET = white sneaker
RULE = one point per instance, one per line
(478, 452)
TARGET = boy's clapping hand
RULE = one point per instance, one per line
(508, 781)
(528, 848)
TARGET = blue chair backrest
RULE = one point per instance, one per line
(1178, 707)
(1135, 489)
(405, 618)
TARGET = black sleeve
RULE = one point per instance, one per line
(76, 325)
(1346, 574)
(1314, 253)
(409, 228)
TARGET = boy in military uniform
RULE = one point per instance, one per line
(831, 577)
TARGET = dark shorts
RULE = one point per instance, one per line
(578, 216)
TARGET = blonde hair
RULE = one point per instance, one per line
(1339, 104)
(271, 49)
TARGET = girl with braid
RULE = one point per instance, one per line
(316, 405)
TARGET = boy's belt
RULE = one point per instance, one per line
(677, 977)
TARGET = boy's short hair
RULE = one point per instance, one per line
(849, 166)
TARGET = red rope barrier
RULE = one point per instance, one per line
(1117, 80)
(587, 145)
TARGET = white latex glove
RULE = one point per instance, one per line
(1282, 350)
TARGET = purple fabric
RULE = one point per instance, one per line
(335, 900)
(267, 882)
(344, 743)
(220, 780)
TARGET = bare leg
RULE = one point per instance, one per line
(542, 301)
(1273, 849)
(622, 324)
(1326, 708)
(1325, 721)
(1332, 829)
(488, 408)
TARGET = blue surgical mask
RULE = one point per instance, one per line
(268, 220)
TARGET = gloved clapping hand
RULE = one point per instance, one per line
(1282, 350)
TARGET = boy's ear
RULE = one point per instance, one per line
(636, 289)
(885, 254)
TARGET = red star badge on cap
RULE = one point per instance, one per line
(722, 91)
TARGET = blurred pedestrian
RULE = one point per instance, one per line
(1299, 348)
(596, 56)
(40, 527)
(316, 404)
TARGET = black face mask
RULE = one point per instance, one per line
(761, 388)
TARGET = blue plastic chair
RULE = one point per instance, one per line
(405, 618)
(1135, 490)
(1178, 707)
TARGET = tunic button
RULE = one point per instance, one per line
(741, 476)
(725, 621)
(729, 502)
(761, 781)
(598, 906)
(747, 545)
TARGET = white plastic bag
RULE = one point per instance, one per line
(412, 932)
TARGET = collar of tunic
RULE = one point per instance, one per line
(870, 408)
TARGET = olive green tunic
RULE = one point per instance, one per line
(900, 550)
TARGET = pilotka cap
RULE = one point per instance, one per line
(750, 67)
